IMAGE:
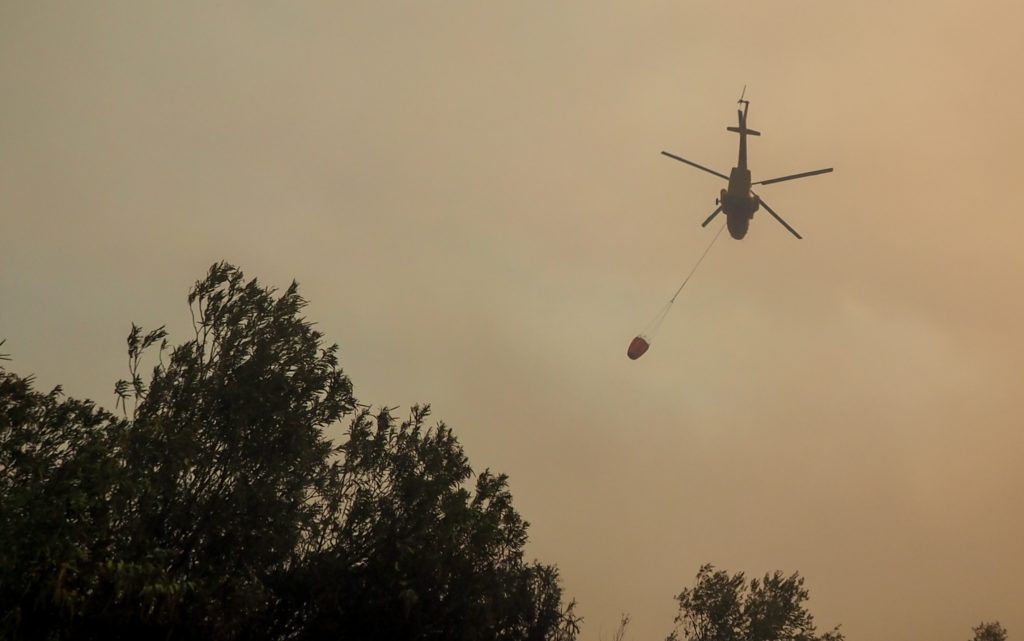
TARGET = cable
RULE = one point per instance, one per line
(653, 327)
(699, 261)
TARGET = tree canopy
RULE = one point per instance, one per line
(991, 631)
(724, 607)
(214, 506)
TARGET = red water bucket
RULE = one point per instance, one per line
(637, 348)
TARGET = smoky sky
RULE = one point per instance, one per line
(471, 197)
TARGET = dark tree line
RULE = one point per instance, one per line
(990, 631)
(214, 507)
(727, 607)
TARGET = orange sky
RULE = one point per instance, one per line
(471, 196)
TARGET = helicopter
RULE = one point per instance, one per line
(739, 202)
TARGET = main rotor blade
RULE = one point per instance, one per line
(711, 217)
(693, 164)
(793, 177)
(779, 218)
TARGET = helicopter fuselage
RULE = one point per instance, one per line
(738, 203)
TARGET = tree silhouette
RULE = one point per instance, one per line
(724, 607)
(216, 507)
(993, 631)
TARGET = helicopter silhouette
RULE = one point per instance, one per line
(739, 202)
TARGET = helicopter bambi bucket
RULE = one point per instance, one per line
(638, 347)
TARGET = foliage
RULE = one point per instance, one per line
(620, 632)
(56, 480)
(216, 507)
(993, 631)
(724, 607)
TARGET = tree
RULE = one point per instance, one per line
(724, 607)
(993, 631)
(216, 507)
(56, 475)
